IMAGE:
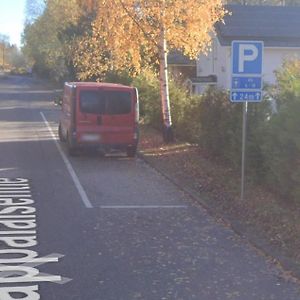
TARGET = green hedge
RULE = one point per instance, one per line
(282, 151)
(212, 121)
(149, 94)
(282, 139)
(150, 102)
(220, 131)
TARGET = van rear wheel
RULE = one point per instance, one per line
(60, 134)
(131, 151)
(71, 149)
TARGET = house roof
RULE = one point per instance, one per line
(277, 26)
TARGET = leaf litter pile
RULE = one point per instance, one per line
(271, 224)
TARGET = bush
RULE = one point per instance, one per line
(282, 142)
(217, 125)
(18, 71)
(189, 125)
(149, 94)
(220, 125)
(118, 77)
(212, 121)
(150, 102)
(257, 122)
(282, 152)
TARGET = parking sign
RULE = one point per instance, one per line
(247, 62)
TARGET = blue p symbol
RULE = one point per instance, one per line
(247, 52)
(247, 57)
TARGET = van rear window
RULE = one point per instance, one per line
(105, 102)
(91, 102)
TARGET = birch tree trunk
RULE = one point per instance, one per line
(164, 90)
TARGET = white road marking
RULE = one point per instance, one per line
(19, 266)
(22, 192)
(7, 169)
(16, 196)
(17, 216)
(141, 206)
(73, 175)
(18, 232)
(32, 264)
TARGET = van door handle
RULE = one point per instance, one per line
(99, 120)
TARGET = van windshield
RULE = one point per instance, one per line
(105, 102)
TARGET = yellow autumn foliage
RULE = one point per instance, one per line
(128, 32)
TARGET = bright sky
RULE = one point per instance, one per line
(12, 19)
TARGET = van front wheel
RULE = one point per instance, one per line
(131, 151)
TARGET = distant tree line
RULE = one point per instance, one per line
(4, 44)
(10, 55)
(52, 31)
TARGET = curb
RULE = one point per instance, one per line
(285, 265)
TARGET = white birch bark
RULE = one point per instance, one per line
(164, 84)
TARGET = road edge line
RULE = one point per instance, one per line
(72, 173)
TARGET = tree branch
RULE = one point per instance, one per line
(138, 24)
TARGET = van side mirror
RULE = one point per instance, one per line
(58, 99)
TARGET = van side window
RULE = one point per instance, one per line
(92, 102)
(117, 102)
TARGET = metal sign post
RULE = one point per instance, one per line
(246, 84)
(245, 108)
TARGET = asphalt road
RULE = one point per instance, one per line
(111, 228)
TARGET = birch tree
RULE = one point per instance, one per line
(135, 31)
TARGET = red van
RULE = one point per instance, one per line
(99, 115)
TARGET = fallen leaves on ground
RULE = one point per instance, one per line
(262, 216)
